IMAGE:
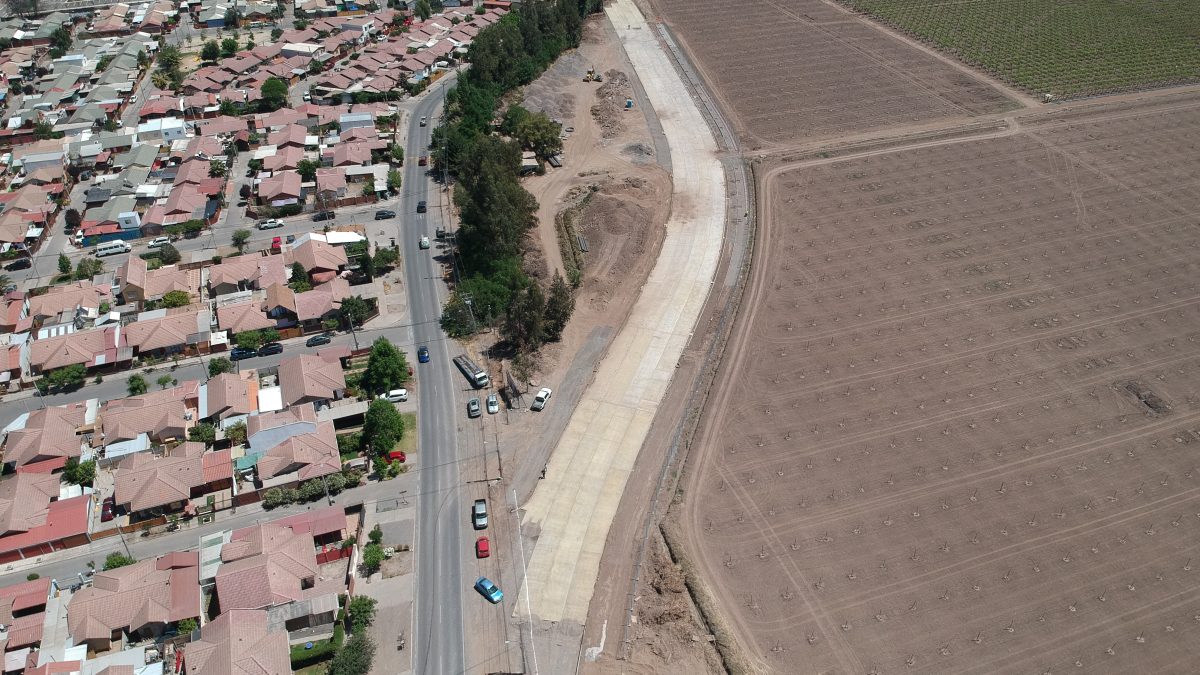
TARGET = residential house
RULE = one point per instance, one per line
(14, 312)
(311, 379)
(239, 317)
(23, 613)
(161, 131)
(34, 520)
(48, 438)
(120, 211)
(322, 260)
(231, 395)
(320, 304)
(163, 415)
(301, 457)
(331, 184)
(293, 135)
(139, 284)
(135, 602)
(61, 304)
(162, 332)
(246, 272)
(239, 642)
(280, 189)
(178, 481)
(93, 348)
(355, 153)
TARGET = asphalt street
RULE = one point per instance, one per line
(440, 642)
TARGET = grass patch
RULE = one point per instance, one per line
(323, 650)
(1068, 49)
(408, 444)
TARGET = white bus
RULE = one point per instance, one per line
(112, 248)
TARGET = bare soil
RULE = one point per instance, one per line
(955, 429)
(790, 72)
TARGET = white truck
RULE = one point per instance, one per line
(477, 376)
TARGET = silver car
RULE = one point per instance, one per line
(493, 404)
(473, 408)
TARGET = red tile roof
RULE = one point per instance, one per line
(64, 518)
(128, 598)
(238, 642)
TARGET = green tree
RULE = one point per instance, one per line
(87, 268)
(216, 169)
(496, 210)
(74, 220)
(354, 310)
(307, 169)
(43, 131)
(298, 272)
(375, 536)
(142, 59)
(230, 108)
(524, 323)
(203, 433)
(387, 368)
(137, 385)
(274, 93)
(60, 42)
(232, 19)
(236, 433)
(249, 339)
(229, 47)
(175, 299)
(169, 59)
(67, 377)
(397, 152)
(219, 365)
(385, 258)
(79, 473)
(64, 263)
(276, 33)
(423, 10)
(240, 239)
(111, 124)
(249, 44)
(393, 180)
(457, 319)
(560, 304)
(186, 626)
(104, 62)
(384, 425)
(116, 559)
(165, 381)
(540, 134)
(354, 658)
(211, 51)
(362, 612)
(168, 254)
(372, 560)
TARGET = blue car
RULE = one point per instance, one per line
(240, 353)
(489, 590)
(423, 354)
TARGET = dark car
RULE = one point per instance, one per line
(322, 215)
(240, 353)
(318, 340)
(421, 206)
(19, 264)
(423, 354)
(384, 214)
(270, 348)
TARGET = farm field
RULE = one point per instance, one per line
(1067, 49)
(785, 70)
(957, 429)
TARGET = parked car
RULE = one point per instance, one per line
(109, 508)
(240, 353)
(270, 224)
(395, 395)
(276, 244)
(318, 340)
(322, 215)
(493, 404)
(539, 401)
(423, 243)
(384, 214)
(19, 264)
(473, 408)
(421, 206)
(479, 514)
(423, 354)
(158, 242)
(423, 121)
(270, 348)
(489, 590)
(423, 160)
(483, 547)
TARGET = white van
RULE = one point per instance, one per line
(112, 248)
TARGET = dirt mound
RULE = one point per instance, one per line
(640, 153)
(608, 111)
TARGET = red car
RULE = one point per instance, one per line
(482, 548)
(107, 508)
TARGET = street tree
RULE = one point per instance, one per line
(64, 263)
(165, 381)
(524, 323)
(240, 239)
(383, 425)
(354, 310)
(168, 254)
(67, 377)
(74, 219)
(559, 306)
(87, 268)
(116, 559)
(355, 657)
(229, 47)
(211, 51)
(387, 368)
(274, 93)
(219, 365)
(540, 134)
(137, 385)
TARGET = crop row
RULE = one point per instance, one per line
(1066, 49)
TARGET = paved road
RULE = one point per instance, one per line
(441, 512)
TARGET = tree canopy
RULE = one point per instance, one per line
(383, 426)
(274, 93)
(387, 368)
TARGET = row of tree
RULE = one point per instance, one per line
(496, 210)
